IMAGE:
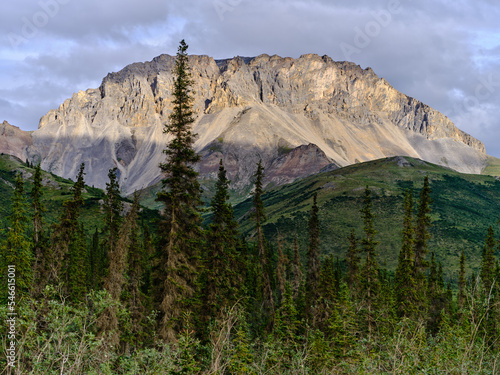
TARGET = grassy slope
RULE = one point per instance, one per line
(463, 208)
(493, 167)
(55, 194)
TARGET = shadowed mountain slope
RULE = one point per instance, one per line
(297, 115)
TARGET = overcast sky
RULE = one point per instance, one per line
(444, 53)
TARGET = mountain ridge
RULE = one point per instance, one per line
(247, 109)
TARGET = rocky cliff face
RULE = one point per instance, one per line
(14, 141)
(297, 115)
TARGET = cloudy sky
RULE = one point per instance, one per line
(442, 52)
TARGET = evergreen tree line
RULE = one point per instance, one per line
(204, 299)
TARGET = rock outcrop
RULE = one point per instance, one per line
(297, 115)
(14, 141)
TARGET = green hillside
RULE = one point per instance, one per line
(463, 207)
(56, 190)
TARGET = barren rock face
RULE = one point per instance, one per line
(14, 141)
(297, 115)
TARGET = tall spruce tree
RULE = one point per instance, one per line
(40, 243)
(490, 289)
(115, 283)
(405, 287)
(268, 307)
(95, 265)
(370, 283)
(181, 232)
(461, 284)
(222, 264)
(16, 250)
(65, 235)
(37, 206)
(487, 272)
(313, 263)
(281, 272)
(435, 295)
(296, 271)
(353, 261)
(422, 235)
(113, 208)
(134, 299)
(77, 265)
(327, 292)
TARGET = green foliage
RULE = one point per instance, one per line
(180, 231)
(186, 360)
(353, 262)
(222, 263)
(246, 307)
(463, 208)
(405, 285)
(113, 207)
(287, 319)
(77, 265)
(313, 264)
(68, 251)
(488, 262)
(263, 253)
(241, 356)
(370, 284)
(422, 235)
(16, 249)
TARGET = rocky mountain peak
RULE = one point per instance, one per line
(247, 108)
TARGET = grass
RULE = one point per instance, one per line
(493, 167)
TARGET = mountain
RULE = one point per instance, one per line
(14, 141)
(297, 115)
(463, 207)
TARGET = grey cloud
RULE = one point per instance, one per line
(428, 49)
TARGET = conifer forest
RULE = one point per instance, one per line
(189, 293)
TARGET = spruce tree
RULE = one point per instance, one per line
(221, 277)
(77, 266)
(436, 295)
(122, 284)
(370, 284)
(36, 195)
(487, 272)
(313, 264)
(113, 208)
(405, 287)
(287, 319)
(327, 292)
(16, 250)
(341, 328)
(353, 261)
(40, 242)
(75, 276)
(134, 299)
(297, 273)
(180, 233)
(64, 237)
(490, 288)
(94, 265)
(268, 308)
(461, 284)
(281, 272)
(422, 235)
